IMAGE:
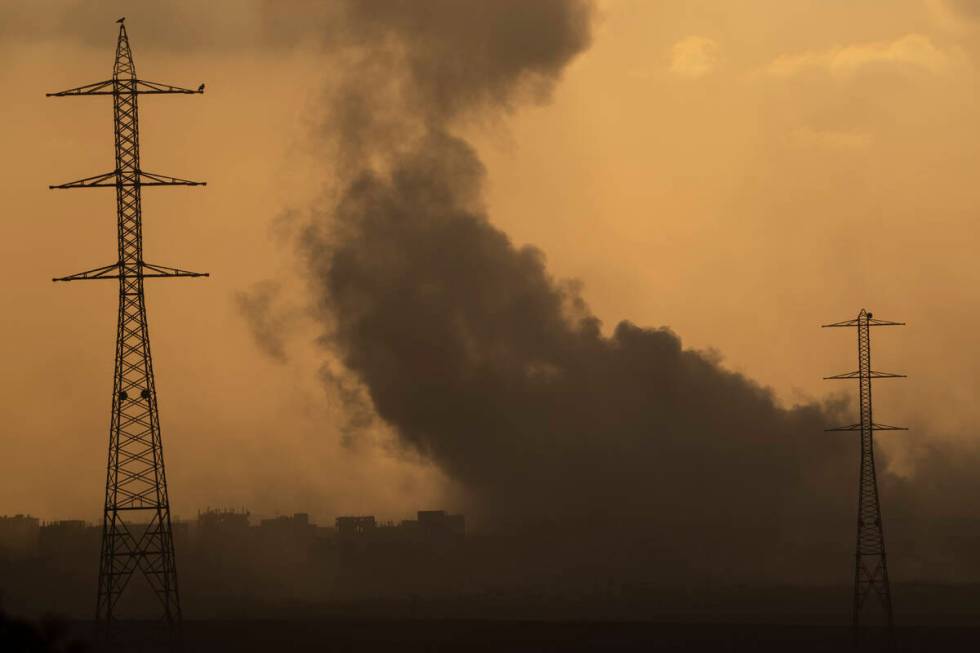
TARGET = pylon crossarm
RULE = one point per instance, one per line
(105, 272)
(155, 88)
(153, 179)
(845, 375)
(857, 375)
(854, 323)
(98, 88)
(110, 180)
(886, 427)
(846, 323)
(105, 180)
(852, 427)
(150, 270)
(874, 427)
(143, 87)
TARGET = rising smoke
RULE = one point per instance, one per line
(482, 362)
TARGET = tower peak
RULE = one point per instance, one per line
(123, 68)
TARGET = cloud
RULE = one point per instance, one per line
(694, 57)
(910, 51)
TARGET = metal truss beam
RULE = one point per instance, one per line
(116, 178)
(857, 375)
(873, 427)
(140, 87)
(856, 322)
(146, 271)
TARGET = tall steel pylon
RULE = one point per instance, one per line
(870, 565)
(136, 527)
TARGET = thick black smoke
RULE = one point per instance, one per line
(641, 453)
(489, 367)
(497, 372)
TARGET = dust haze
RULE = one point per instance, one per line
(690, 167)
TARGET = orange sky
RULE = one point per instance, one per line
(741, 172)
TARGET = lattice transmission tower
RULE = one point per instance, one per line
(136, 530)
(870, 565)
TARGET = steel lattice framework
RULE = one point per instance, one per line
(136, 529)
(871, 568)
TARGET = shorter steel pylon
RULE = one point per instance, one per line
(870, 565)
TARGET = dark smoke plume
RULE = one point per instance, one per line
(269, 324)
(642, 453)
(481, 361)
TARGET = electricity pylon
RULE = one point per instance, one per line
(871, 568)
(136, 482)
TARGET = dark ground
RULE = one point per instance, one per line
(939, 618)
(489, 635)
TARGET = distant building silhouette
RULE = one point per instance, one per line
(68, 538)
(429, 524)
(218, 525)
(19, 534)
(230, 555)
(297, 526)
(437, 523)
(355, 526)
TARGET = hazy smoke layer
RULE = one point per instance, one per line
(642, 454)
